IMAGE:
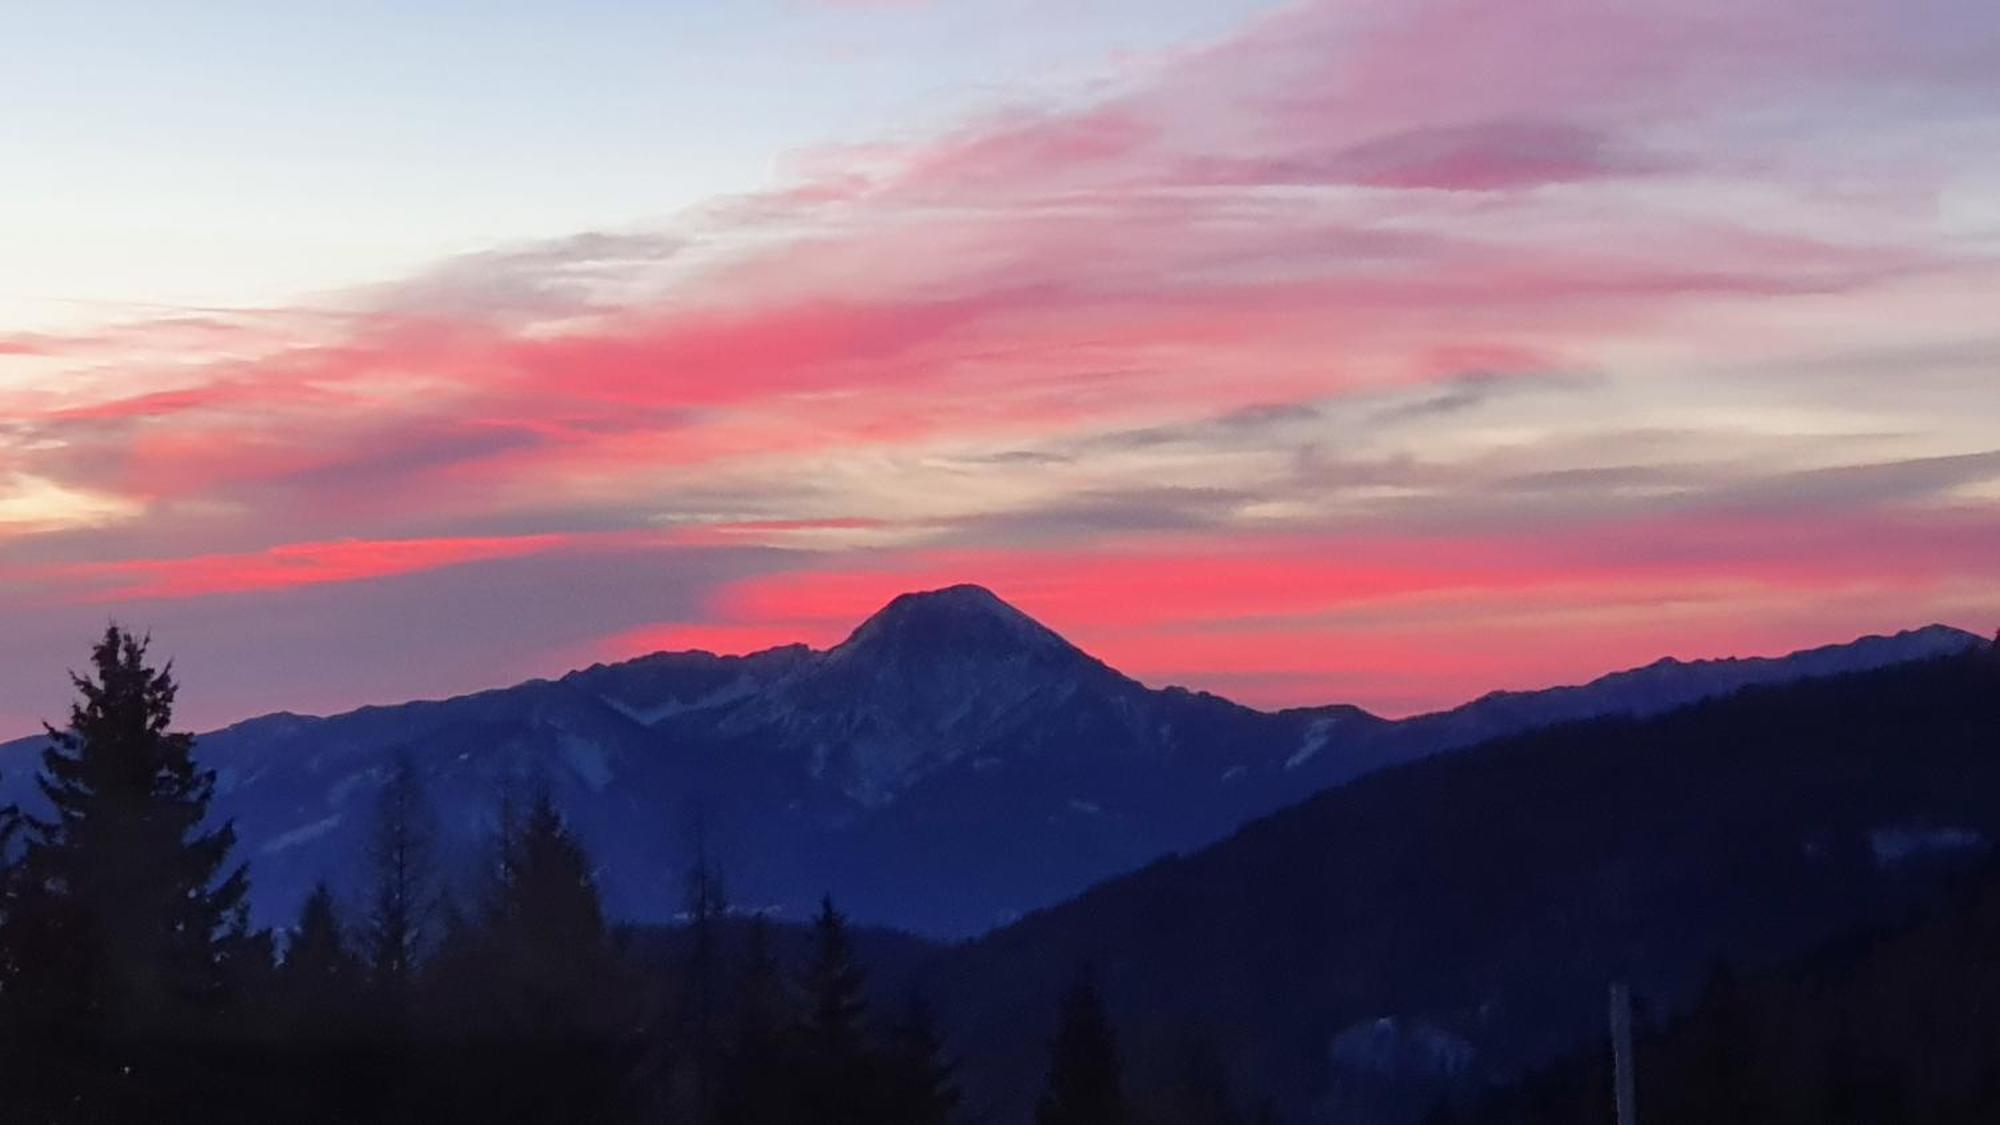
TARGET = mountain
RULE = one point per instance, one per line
(950, 765)
(1455, 921)
(1668, 683)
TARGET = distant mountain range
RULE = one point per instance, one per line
(950, 765)
(1455, 922)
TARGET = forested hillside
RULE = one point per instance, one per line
(1452, 922)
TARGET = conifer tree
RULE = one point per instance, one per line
(125, 913)
(1086, 1084)
(402, 897)
(315, 1005)
(124, 922)
(549, 923)
(707, 905)
(320, 976)
(757, 1085)
(562, 996)
(837, 1071)
(450, 976)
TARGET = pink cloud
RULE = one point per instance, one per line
(293, 565)
(1053, 268)
(1341, 201)
(1487, 156)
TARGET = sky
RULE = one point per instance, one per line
(1373, 351)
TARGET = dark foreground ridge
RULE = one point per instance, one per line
(1453, 923)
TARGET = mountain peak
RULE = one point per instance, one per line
(954, 618)
(930, 678)
(965, 597)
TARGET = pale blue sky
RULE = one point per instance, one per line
(244, 153)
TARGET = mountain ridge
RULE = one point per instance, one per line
(1949, 636)
(951, 763)
(1470, 909)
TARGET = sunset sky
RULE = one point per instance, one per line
(1378, 351)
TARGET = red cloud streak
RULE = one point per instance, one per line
(1286, 274)
(295, 564)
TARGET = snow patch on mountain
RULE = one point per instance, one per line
(297, 836)
(341, 790)
(653, 714)
(1316, 738)
(1898, 844)
(229, 778)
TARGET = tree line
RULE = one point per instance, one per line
(133, 988)
(1887, 1026)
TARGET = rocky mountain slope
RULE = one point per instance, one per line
(952, 764)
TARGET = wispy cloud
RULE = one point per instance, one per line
(1433, 301)
(292, 565)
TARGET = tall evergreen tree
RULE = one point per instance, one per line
(562, 995)
(320, 976)
(707, 905)
(316, 1006)
(1086, 1082)
(126, 913)
(450, 978)
(549, 923)
(124, 921)
(757, 1085)
(402, 902)
(837, 1071)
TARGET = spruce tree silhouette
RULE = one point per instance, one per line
(563, 1000)
(758, 1083)
(321, 977)
(123, 923)
(402, 903)
(1086, 1083)
(549, 924)
(707, 905)
(315, 1010)
(837, 1071)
